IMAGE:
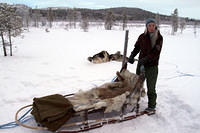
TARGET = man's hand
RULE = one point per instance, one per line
(131, 60)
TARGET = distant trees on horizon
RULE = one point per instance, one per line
(13, 18)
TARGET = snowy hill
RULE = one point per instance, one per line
(56, 62)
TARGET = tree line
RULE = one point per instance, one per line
(14, 17)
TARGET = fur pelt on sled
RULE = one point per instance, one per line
(112, 95)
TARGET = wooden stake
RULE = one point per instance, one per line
(125, 48)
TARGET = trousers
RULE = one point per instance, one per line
(151, 75)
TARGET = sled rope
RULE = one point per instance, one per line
(22, 119)
(22, 124)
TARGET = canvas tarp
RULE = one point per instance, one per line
(52, 111)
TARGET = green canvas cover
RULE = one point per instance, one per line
(52, 111)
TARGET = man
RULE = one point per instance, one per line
(148, 46)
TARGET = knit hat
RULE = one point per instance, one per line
(150, 20)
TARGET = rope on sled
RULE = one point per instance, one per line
(22, 123)
(113, 80)
(22, 119)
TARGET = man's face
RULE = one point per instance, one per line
(151, 27)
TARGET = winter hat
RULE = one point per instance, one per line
(150, 20)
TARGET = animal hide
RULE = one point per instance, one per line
(112, 95)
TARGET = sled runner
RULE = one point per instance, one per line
(85, 110)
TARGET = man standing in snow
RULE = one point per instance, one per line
(148, 46)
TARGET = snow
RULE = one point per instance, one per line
(56, 62)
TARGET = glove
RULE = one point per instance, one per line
(143, 61)
(131, 60)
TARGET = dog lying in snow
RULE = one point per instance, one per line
(104, 56)
(112, 95)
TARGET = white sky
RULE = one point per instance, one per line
(186, 8)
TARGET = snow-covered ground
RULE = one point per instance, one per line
(56, 62)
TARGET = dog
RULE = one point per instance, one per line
(104, 56)
(100, 57)
(117, 57)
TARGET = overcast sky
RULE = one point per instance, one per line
(186, 8)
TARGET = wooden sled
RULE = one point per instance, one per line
(107, 104)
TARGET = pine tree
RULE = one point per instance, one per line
(10, 23)
(195, 28)
(24, 12)
(158, 20)
(84, 23)
(75, 17)
(109, 20)
(174, 20)
(50, 17)
(124, 20)
(182, 25)
(70, 17)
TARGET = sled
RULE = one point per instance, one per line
(112, 102)
(109, 103)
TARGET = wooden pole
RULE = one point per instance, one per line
(125, 48)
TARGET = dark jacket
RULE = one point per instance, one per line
(144, 47)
